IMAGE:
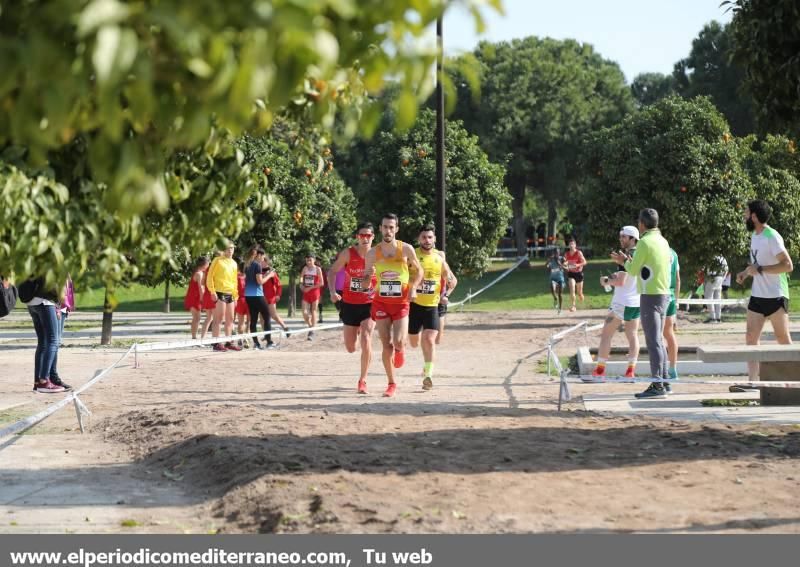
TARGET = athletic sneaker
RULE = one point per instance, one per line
(258, 347)
(271, 346)
(399, 358)
(630, 372)
(231, 346)
(599, 372)
(597, 375)
(219, 347)
(58, 382)
(427, 383)
(654, 390)
(667, 387)
(390, 389)
(572, 308)
(47, 387)
(310, 336)
(672, 373)
(362, 387)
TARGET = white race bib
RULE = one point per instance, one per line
(427, 287)
(391, 288)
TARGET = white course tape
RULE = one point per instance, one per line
(490, 284)
(32, 420)
(168, 345)
(701, 301)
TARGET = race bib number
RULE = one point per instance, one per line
(427, 287)
(356, 285)
(391, 288)
(308, 281)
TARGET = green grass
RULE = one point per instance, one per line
(530, 288)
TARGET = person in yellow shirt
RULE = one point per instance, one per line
(424, 316)
(223, 285)
(392, 262)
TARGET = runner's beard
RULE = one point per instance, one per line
(388, 239)
(426, 246)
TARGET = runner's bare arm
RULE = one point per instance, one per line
(784, 265)
(369, 264)
(338, 265)
(415, 266)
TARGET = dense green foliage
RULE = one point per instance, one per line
(396, 172)
(538, 98)
(767, 45)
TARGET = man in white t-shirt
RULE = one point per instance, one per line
(769, 267)
(624, 308)
(712, 288)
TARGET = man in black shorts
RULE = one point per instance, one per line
(432, 293)
(769, 266)
(356, 298)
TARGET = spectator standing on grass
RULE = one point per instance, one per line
(714, 278)
(272, 294)
(193, 302)
(769, 267)
(222, 284)
(650, 264)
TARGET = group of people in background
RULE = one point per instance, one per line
(400, 290)
(568, 268)
(647, 284)
(226, 290)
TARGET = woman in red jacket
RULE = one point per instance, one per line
(272, 293)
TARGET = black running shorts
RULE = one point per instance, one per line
(352, 314)
(766, 306)
(225, 297)
(422, 318)
(577, 276)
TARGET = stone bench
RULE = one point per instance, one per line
(778, 363)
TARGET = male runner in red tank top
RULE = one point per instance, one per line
(356, 298)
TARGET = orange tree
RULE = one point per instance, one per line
(145, 84)
(396, 172)
(316, 211)
(678, 157)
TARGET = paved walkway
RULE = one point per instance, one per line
(688, 407)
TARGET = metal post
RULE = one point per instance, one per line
(441, 236)
(136, 355)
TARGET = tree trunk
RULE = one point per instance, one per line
(166, 297)
(108, 313)
(292, 296)
(552, 221)
(517, 206)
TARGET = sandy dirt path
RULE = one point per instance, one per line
(196, 441)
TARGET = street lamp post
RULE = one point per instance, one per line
(441, 237)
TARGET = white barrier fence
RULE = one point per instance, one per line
(81, 410)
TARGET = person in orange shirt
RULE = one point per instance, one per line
(394, 291)
(223, 284)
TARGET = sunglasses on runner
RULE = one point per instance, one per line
(364, 236)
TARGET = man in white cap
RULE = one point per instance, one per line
(624, 309)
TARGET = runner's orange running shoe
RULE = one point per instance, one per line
(390, 389)
(630, 372)
(599, 372)
(362, 387)
(399, 358)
